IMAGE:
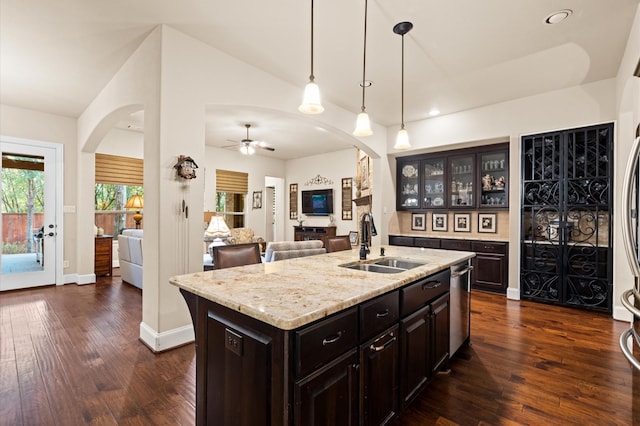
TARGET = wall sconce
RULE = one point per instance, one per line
(136, 202)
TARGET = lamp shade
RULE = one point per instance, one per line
(135, 202)
(217, 228)
(363, 126)
(311, 100)
(402, 140)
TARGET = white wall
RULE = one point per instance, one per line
(34, 125)
(333, 166)
(257, 167)
(561, 109)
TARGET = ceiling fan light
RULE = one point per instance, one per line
(402, 140)
(311, 100)
(363, 126)
(247, 149)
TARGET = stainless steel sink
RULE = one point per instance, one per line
(398, 263)
(371, 267)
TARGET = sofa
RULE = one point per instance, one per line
(279, 250)
(130, 256)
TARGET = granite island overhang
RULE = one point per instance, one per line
(291, 293)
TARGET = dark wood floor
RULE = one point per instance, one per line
(70, 355)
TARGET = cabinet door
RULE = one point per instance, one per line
(329, 396)
(440, 323)
(461, 176)
(489, 271)
(238, 374)
(494, 175)
(433, 183)
(379, 378)
(415, 362)
(408, 191)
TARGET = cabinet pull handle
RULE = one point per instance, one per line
(435, 284)
(331, 339)
(382, 347)
(382, 314)
(457, 274)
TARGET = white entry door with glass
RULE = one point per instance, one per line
(28, 229)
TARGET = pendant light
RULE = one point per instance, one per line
(311, 99)
(363, 126)
(402, 140)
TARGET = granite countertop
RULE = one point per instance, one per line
(291, 293)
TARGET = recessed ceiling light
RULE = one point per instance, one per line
(434, 112)
(365, 83)
(558, 16)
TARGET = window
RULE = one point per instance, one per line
(110, 213)
(231, 191)
(117, 179)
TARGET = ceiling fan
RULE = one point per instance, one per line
(248, 146)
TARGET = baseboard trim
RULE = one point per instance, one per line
(621, 313)
(513, 293)
(159, 342)
(79, 279)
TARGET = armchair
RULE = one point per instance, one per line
(244, 236)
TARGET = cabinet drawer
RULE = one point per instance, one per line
(324, 341)
(422, 291)
(464, 245)
(379, 314)
(427, 242)
(489, 247)
(395, 240)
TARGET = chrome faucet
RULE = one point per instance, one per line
(366, 228)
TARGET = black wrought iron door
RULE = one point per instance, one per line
(566, 225)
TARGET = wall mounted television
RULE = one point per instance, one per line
(318, 202)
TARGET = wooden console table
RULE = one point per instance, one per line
(304, 233)
(103, 256)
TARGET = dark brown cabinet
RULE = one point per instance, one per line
(330, 395)
(304, 233)
(465, 178)
(379, 378)
(490, 266)
(415, 360)
(103, 255)
(358, 366)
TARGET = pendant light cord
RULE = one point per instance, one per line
(311, 77)
(402, 88)
(364, 55)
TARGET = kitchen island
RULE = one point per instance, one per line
(307, 340)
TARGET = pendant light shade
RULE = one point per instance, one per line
(402, 140)
(311, 103)
(363, 126)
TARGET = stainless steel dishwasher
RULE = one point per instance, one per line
(460, 305)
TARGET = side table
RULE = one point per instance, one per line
(103, 256)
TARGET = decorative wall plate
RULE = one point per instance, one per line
(409, 171)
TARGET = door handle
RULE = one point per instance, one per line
(457, 274)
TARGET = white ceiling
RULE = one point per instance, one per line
(461, 54)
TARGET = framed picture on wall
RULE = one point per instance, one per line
(353, 238)
(419, 222)
(439, 221)
(462, 222)
(257, 199)
(487, 222)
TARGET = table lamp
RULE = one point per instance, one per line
(217, 228)
(136, 202)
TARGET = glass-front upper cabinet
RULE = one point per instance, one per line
(434, 194)
(408, 185)
(494, 171)
(461, 176)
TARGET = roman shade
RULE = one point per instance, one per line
(118, 170)
(235, 182)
